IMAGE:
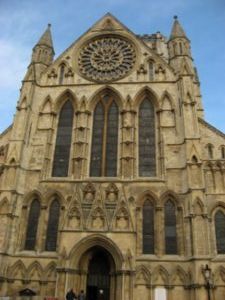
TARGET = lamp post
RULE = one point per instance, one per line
(208, 278)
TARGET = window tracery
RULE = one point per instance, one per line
(32, 225)
(220, 231)
(147, 164)
(52, 228)
(170, 228)
(63, 141)
(105, 138)
(148, 227)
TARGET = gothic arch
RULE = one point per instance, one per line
(219, 275)
(180, 273)
(62, 98)
(29, 197)
(95, 240)
(170, 195)
(15, 268)
(166, 95)
(101, 92)
(198, 206)
(34, 266)
(23, 103)
(139, 97)
(4, 206)
(49, 270)
(142, 273)
(218, 206)
(145, 195)
(49, 196)
(160, 271)
(46, 106)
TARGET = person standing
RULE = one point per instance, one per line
(71, 295)
(81, 296)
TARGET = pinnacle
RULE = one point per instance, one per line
(46, 38)
(177, 30)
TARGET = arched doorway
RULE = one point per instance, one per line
(84, 265)
(99, 275)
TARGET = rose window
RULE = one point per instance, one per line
(106, 59)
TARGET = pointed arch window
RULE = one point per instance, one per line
(148, 227)
(63, 141)
(32, 225)
(210, 151)
(170, 228)
(52, 228)
(223, 152)
(105, 138)
(61, 73)
(220, 231)
(151, 70)
(147, 164)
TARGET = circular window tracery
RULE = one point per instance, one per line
(106, 59)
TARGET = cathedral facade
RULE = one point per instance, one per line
(111, 181)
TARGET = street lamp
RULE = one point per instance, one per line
(208, 278)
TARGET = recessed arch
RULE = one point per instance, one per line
(62, 98)
(166, 95)
(91, 241)
(63, 143)
(145, 195)
(28, 198)
(47, 105)
(105, 133)
(146, 92)
(101, 92)
(18, 266)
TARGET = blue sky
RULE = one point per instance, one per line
(22, 23)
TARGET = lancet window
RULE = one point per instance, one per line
(170, 228)
(105, 138)
(52, 228)
(220, 231)
(32, 225)
(148, 227)
(147, 164)
(63, 141)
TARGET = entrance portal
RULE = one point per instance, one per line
(98, 279)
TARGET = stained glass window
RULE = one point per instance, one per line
(220, 232)
(63, 141)
(170, 228)
(52, 229)
(148, 227)
(32, 225)
(146, 139)
(105, 138)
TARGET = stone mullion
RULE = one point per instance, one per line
(42, 229)
(159, 229)
(80, 151)
(139, 232)
(128, 144)
(49, 152)
(180, 232)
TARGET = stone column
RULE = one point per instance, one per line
(159, 238)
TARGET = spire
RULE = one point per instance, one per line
(177, 30)
(46, 38)
(43, 51)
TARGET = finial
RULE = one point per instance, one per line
(175, 17)
(49, 25)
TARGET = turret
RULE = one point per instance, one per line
(43, 51)
(179, 49)
(42, 56)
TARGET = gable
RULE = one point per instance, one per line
(107, 52)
